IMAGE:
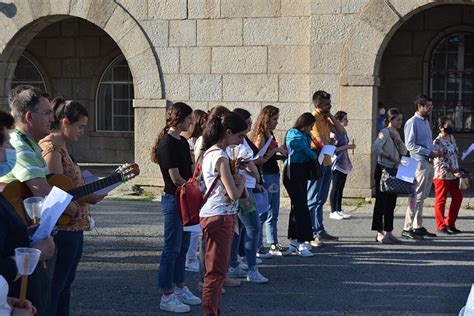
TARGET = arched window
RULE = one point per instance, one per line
(26, 72)
(451, 80)
(114, 111)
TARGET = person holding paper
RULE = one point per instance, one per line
(33, 117)
(13, 231)
(388, 147)
(70, 120)
(262, 135)
(341, 167)
(446, 175)
(318, 190)
(419, 142)
(171, 152)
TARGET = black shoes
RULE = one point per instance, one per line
(423, 232)
(410, 234)
(444, 231)
(453, 230)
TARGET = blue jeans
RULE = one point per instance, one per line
(252, 227)
(176, 244)
(270, 219)
(317, 195)
(69, 251)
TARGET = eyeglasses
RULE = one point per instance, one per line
(48, 112)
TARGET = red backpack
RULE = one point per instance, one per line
(190, 197)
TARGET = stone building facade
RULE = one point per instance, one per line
(238, 53)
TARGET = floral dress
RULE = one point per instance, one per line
(448, 162)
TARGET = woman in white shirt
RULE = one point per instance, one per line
(218, 212)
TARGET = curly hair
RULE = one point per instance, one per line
(262, 124)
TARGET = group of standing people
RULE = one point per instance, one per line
(437, 163)
(37, 147)
(196, 138)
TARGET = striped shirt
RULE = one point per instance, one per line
(29, 160)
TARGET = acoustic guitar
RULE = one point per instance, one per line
(15, 192)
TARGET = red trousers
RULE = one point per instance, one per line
(442, 188)
(218, 232)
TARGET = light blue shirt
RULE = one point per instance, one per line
(418, 137)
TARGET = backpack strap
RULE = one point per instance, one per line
(199, 172)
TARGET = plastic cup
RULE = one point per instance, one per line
(26, 260)
(34, 207)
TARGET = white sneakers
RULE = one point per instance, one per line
(192, 266)
(339, 215)
(236, 272)
(179, 301)
(302, 250)
(254, 276)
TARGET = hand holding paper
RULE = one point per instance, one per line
(326, 150)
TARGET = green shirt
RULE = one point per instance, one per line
(30, 163)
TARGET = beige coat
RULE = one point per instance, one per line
(384, 147)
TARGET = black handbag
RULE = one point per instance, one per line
(391, 184)
(314, 170)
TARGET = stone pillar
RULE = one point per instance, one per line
(150, 116)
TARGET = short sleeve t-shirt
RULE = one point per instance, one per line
(218, 203)
(174, 153)
(29, 160)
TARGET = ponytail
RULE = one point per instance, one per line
(217, 126)
(175, 115)
(72, 110)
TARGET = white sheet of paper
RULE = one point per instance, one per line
(407, 169)
(89, 177)
(326, 150)
(264, 149)
(53, 206)
(250, 181)
(468, 151)
(194, 228)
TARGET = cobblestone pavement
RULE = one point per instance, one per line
(355, 276)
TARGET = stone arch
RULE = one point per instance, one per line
(23, 20)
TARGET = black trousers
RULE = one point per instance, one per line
(338, 184)
(299, 225)
(384, 207)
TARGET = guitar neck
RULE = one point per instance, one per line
(90, 188)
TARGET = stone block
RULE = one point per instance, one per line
(277, 31)
(182, 33)
(88, 47)
(203, 9)
(157, 31)
(401, 43)
(358, 102)
(362, 132)
(133, 43)
(408, 8)
(40, 8)
(442, 17)
(116, 143)
(331, 29)
(90, 66)
(206, 87)
(137, 8)
(326, 58)
(289, 112)
(81, 88)
(352, 6)
(70, 27)
(154, 118)
(357, 63)
(253, 107)
(288, 59)
(294, 88)
(79, 8)
(239, 60)
(295, 7)
(71, 68)
(100, 12)
(37, 47)
(331, 7)
(52, 67)
(226, 32)
(167, 9)
(380, 16)
(62, 87)
(360, 182)
(149, 103)
(60, 6)
(403, 67)
(326, 82)
(149, 172)
(119, 24)
(176, 87)
(263, 88)
(60, 47)
(168, 59)
(366, 39)
(250, 8)
(145, 71)
(195, 60)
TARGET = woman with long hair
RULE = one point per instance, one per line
(264, 126)
(171, 152)
(70, 120)
(446, 175)
(198, 123)
(295, 180)
(218, 213)
(388, 147)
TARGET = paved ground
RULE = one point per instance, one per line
(355, 276)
